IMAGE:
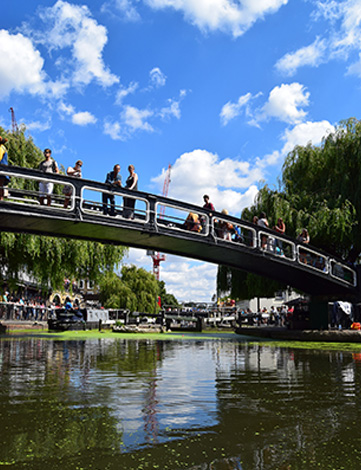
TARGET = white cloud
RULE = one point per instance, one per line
(232, 110)
(71, 26)
(125, 7)
(22, 66)
(224, 15)
(136, 119)
(157, 77)
(186, 279)
(113, 129)
(312, 55)
(66, 108)
(124, 92)
(173, 107)
(131, 120)
(231, 184)
(284, 103)
(83, 118)
(39, 126)
(344, 38)
(304, 133)
(172, 110)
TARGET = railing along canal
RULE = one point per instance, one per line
(142, 209)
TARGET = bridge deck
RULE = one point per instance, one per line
(162, 230)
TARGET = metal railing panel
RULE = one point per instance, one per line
(277, 246)
(312, 259)
(343, 273)
(237, 234)
(173, 217)
(92, 203)
(31, 196)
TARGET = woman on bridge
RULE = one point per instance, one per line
(132, 184)
(303, 237)
(68, 190)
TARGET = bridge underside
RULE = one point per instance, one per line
(139, 235)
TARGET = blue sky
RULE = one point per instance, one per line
(219, 89)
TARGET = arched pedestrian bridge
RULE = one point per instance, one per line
(157, 223)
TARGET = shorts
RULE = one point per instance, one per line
(67, 190)
(46, 188)
(4, 180)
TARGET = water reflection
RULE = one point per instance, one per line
(217, 405)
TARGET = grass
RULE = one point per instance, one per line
(177, 336)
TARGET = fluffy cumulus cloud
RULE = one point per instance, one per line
(22, 69)
(305, 133)
(285, 103)
(230, 16)
(83, 118)
(72, 26)
(231, 184)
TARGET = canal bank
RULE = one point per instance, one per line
(285, 334)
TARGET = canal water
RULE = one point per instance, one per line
(186, 403)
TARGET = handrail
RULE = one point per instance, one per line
(251, 237)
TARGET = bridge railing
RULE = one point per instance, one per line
(238, 234)
(343, 272)
(24, 189)
(118, 204)
(313, 259)
(89, 198)
(276, 245)
(178, 218)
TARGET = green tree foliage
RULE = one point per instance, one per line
(166, 299)
(48, 259)
(241, 285)
(136, 290)
(320, 190)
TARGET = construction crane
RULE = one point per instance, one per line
(14, 124)
(158, 257)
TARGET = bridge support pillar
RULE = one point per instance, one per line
(319, 316)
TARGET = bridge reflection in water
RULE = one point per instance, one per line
(157, 223)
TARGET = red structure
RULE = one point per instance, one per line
(14, 124)
(158, 257)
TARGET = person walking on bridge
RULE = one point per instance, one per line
(47, 166)
(4, 180)
(114, 180)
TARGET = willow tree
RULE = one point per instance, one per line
(135, 289)
(320, 189)
(48, 259)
